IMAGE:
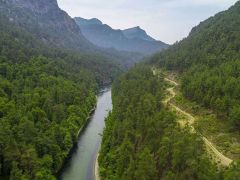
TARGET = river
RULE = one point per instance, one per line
(81, 164)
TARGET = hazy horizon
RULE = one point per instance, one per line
(165, 20)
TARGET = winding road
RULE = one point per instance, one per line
(218, 156)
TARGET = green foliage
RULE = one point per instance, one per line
(211, 43)
(209, 60)
(233, 173)
(142, 139)
(42, 108)
(46, 95)
(19, 45)
(216, 88)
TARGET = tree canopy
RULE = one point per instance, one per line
(46, 95)
(142, 139)
(208, 60)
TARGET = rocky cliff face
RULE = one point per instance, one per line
(49, 12)
(37, 6)
(45, 19)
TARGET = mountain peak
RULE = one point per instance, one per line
(137, 28)
(131, 40)
(137, 33)
(86, 22)
(95, 20)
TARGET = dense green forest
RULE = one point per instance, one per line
(49, 78)
(142, 139)
(42, 107)
(18, 46)
(45, 24)
(216, 88)
(208, 60)
(46, 95)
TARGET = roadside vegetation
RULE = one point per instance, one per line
(216, 130)
(143, 140)
(207, 65)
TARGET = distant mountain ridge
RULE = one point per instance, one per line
(137, 32)
(82, 21)
(131, 40)
(55, 28)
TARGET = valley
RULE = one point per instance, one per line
(82, 100)
(81, 163)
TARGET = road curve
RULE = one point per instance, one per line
(219, 157)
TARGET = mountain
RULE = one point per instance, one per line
(212, 42)
(54, 27)
(42, 28)
(131, 40)
(209, 62)
(49, 79)
(47, 21)
(142, 138)
(137, 33)
(94, 21)
(208, 65)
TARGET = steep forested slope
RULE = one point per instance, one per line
(43, 103)
(142, 139)
(18, 45)
(211, 56)
(46, 94)
(51, 26)
(212, 42)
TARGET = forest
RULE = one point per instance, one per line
(18, 46)
(208, 63)
(42, 106)
(46, 95)
(216, 88)
(142, 139)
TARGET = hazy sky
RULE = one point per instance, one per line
(165, 20)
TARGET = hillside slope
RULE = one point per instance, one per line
(137, 32)
(210, 60)
(142, 139)
(211, 43)
(55, 28)
(47, 21)
(46, 90)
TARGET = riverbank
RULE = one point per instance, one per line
(88, 118)
(96, 169)
(75, 143)
(82, 163)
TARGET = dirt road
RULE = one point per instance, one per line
(219, 157)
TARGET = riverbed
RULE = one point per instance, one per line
(81, 163)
